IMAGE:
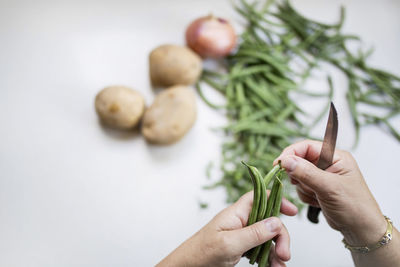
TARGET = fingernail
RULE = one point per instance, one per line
(289, 164)
(272, 224)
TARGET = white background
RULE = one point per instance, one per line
(75, 194)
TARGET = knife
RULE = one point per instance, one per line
(326, 155)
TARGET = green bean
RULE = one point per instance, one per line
(262, 143)
(263, 128)
(198, 89)
(251, 70)
(212, 83)
(278, 66)
(353, 110)
(259, 103)
(270, 175)
(275, 212)
(240, 96)
(271, 200)
(270, 205)
(214, 74)
(251, 144)
(260, 93)
(392, 130)
(285, 114)
(265, 112)
(259, 207)
(278, 200)
(327, 105)
(263, 203)
(256, 195)
(375, 103)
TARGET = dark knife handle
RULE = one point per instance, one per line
(312, 214)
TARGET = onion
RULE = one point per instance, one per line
(211, 37)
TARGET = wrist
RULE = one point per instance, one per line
(366, 233)
(184, 255)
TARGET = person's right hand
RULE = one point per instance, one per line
(340, 191)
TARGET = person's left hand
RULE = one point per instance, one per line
(224, 240)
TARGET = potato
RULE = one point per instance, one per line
(119, 107)
(171, 115)
(174, 65)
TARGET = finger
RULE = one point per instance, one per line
(241, 240)
(288, 208)
(274, 260)
(282, 245)
(245, 202)
(294, 181)
(342, 162)
(307, 149)
(306, 190)
(307, 199)
(307, 173)
(241, 209)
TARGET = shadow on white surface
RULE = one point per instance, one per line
(119, 135)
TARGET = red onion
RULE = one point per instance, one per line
(211, 37)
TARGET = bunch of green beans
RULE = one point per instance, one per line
(263, 119)
(368, 87)
(278, 51)
(264, 206)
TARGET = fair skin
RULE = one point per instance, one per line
(345, 199)
(340, 191)
(224, 240)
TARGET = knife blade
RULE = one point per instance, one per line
(326, 155)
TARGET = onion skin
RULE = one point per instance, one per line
(211, 37)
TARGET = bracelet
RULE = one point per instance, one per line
(383, 241)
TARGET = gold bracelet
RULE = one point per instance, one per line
(383, 241)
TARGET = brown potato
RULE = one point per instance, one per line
(171, 115)
(119, 107)
(174, 65)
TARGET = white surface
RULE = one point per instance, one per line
(75, 194)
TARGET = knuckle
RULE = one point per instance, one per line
(224, 243)
(245, 197)
(279, 223)
(257, 233)
(346, 155)
(306, 172)
(340, 152)
(305, 141)
(286, 150)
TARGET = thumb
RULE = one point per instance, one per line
(307, 173)
(244, 239)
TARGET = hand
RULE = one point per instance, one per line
(224, 240)
(340, 191)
